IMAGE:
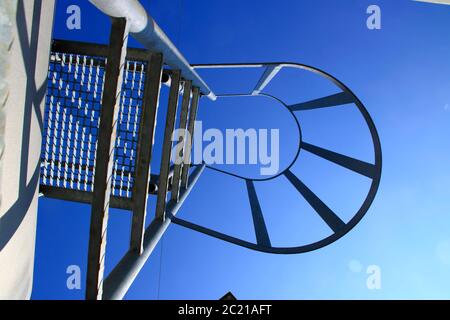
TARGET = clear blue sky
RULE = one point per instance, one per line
(402, 75)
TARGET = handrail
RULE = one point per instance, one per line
(145, 30)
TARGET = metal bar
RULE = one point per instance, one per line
(149, 34)
(435, 1)
(117, 202)
(325, 102)
(262, 236)
(232, 65)
(190, 139)
(104, 159)
(218, 235)
(95, 49)
(181, 141)
(60, 193)
(167, 144)
(82, 196)
(358, 166)
(122, 276)
(244, 243)
(267, 76)
(144, 149)
(81, 48)
(330, 218)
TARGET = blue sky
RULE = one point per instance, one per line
(401, 74)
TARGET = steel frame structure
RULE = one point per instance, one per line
(371, 171)
(142, 241)
(103, 170)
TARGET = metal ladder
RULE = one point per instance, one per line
(68, 174)
(101, 111)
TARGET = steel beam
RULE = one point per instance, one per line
(331, 219)
(104, 158)
(334, 100)
(81, 196)
(181, 141)
(144, 149)
(355, 165)
(167, 144)
(269, 73)
(95, 50)
(190, 139)
(262, 236)
(123, 203)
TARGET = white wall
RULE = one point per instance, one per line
(23, 64)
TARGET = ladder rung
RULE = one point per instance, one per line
(144, 150)
(269, 73)
(167, 144)
(181, 141)
(189, 141)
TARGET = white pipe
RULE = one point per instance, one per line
(132, 10)
(149, 34)
(435, 1)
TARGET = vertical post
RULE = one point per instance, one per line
(144, 149)
(176, 179)
(104, 158)
(167, 145)
(188, 147)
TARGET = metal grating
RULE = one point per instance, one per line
(71, 122)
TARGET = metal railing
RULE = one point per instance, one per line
(144, 29)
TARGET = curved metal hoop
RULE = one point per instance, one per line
(371, 171)
(294, 159)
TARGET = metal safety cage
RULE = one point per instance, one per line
(99, 130)
(371, 171)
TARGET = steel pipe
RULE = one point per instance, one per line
(144, 29)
